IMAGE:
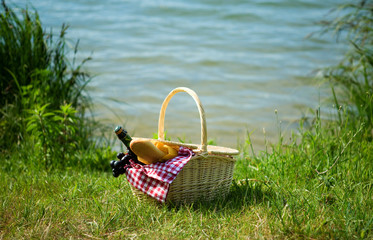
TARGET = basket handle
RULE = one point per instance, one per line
(201, 115)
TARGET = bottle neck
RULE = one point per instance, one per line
(123, 136)
(126, 140)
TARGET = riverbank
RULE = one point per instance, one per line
(319, 189)
(56, 182)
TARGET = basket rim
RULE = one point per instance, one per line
(196, 148)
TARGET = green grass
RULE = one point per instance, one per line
(94, 204)
(316, 187)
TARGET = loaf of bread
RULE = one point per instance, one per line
(152, 151)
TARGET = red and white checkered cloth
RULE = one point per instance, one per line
(155, 179)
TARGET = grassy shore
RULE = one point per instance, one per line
(56, 182)
(274, 195)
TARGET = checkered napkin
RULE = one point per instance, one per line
(155, 179)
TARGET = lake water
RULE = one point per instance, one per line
(245, 59)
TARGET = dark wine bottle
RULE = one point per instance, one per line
(126, 140)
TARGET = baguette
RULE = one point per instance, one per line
(146, 151)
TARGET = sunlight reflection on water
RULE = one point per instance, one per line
(243, 58)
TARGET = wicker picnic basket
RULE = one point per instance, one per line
(208, 174)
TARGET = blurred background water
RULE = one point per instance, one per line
(245, 59)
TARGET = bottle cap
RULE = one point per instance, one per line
(118, 130)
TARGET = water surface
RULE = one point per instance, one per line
(243, 58)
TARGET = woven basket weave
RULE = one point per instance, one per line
(208, 174)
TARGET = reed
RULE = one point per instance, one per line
(32, 58)
(43, 100)
(352, 78)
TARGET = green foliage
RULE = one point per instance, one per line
(43, 104)
(29, 56)
(352, 79)
(33, 71)
(320, 180)
(53, 132)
